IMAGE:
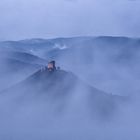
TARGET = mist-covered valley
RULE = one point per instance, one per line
(93, 95)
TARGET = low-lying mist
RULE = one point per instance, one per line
(85, 101)
(108, 63)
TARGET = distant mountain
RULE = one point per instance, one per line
(46, 46)
(15, 66)
(121, 47)
(28, 46)
(23, 56)
(106, 62)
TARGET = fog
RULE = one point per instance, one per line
(94, 95)
(107, 63)
(39, 118)
(62, 105)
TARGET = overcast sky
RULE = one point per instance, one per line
(20, 19)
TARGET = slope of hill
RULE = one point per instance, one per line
(61, 88)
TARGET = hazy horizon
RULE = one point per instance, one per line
(21, 19)
(67, 37)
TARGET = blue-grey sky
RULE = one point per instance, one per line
(21, 19)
